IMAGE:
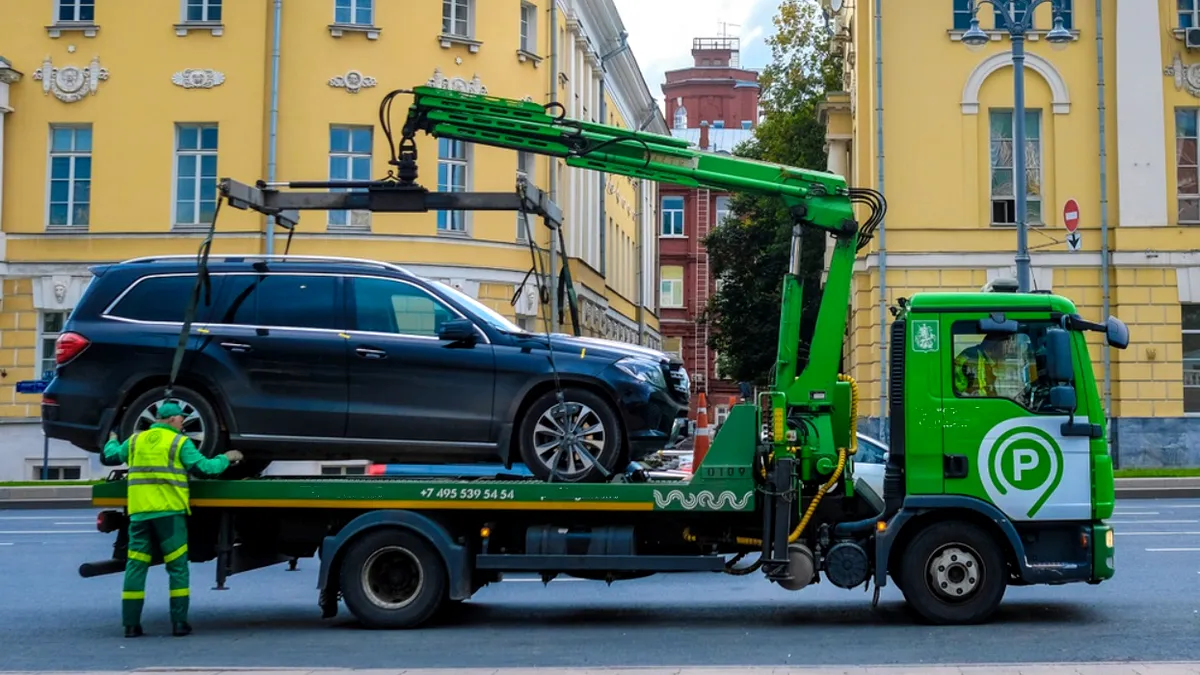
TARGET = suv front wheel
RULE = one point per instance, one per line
(572, 440)
(200, 424)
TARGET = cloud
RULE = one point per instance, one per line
(661, 31)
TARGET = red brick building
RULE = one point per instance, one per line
(713, 104)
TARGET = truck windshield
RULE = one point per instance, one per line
(482, 311)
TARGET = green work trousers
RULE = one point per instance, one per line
(166, 536)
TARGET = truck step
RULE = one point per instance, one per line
(623, 563)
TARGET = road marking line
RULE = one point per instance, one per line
(1193, 550)
(1135, 513)
(80, 520)
(47, 531)
(5, 543)
(1149, 522)
(1155, 534)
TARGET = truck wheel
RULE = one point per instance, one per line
(953, 572)
(551, 436)
(393, 578)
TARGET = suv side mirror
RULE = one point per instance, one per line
(458, 330)
(1058, 357)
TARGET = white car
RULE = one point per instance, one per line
(871, 470)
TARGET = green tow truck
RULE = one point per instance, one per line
(998, 472)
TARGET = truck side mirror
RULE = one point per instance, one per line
(1062, 398)
(1116, 332)
(1058, 357)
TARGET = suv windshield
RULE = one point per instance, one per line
(484, 312)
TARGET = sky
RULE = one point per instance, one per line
(661, 31)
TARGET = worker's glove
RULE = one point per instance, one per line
(233, 456)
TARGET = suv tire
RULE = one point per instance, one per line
(591, 412)
(139, 414)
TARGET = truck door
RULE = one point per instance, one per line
(1004, 442)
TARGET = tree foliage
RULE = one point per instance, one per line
(750, 253)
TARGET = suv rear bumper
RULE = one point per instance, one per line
(85, 436)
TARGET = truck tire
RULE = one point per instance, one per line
(392, 578)
(589, 411)
(953, 572)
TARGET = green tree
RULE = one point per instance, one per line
(750, 254)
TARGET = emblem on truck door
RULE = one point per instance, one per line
(925, 336)
(1031, 471)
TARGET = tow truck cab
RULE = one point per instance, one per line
(995, 410)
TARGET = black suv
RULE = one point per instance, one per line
(302, 358)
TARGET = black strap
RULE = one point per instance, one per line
(202, 281)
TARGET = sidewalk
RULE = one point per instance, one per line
(1127, 668)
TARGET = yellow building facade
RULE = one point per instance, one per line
(115, 124)
(929, 122)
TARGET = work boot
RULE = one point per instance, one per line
(181, 629)
(133, 631)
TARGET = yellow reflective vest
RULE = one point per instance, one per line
(157, 479)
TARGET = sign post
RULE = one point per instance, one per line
(1071, 222)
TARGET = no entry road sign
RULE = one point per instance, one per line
(1071, 222)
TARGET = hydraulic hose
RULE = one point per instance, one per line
(843, 453)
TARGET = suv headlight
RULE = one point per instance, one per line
(644, 370)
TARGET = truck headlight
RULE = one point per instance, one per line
(644, 370)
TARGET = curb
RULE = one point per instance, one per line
(80, 496)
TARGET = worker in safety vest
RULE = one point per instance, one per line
(976, 367)
(159, 460)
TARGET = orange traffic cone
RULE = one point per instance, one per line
(702, 439)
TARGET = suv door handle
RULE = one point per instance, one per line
(236, 347)
(370, 353)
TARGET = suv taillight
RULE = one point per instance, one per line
(68, 346)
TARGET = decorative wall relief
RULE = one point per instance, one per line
(353, 81)
(70, 83)
(198, 78)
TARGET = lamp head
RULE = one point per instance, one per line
(1058, 37)
(974, 38)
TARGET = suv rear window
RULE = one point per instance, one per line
(157, 299)
(284, 300)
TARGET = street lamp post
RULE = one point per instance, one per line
(1016, 16)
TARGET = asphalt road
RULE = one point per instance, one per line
(52, 619)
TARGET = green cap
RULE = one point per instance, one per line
(169, 409)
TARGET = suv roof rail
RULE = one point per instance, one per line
(274, 257)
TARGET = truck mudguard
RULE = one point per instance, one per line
(458, 563)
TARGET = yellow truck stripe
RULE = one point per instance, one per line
(459, 504)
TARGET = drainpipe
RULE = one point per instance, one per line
(553, 96)
(273, 139)
(882, 229)
(1104, 253)
(603, 182)
(641, 258)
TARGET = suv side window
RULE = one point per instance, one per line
(387, 306)
(283, 300)
(159, 299)
(1002, 366)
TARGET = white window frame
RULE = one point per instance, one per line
(723, 213)
(352, 218)
(206, 7)
(74, 155)
(529, 28)
(34, 467)
(355, 5)
(450, 17)
(199, 154)
(42, 336)
(455, 222)
(526, 169)
(1193, 14)
(673, 212)
(668, 288)
(1035, 218)
(77, 10)
(1185, 361)
(1181, 196)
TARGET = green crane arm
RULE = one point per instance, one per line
(807, 366)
